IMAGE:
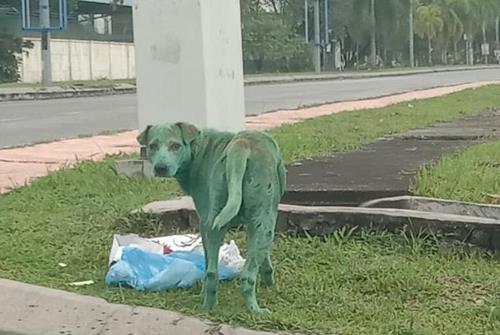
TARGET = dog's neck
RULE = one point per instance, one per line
(208, 146)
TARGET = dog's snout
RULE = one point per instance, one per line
(161, 170)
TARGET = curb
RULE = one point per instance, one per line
(33, 310)
(475, 224)
(63, 92)
(261, 80)
(13, 94)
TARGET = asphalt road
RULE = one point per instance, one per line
(26, 122)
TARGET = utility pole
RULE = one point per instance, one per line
(317, 50)
(327, 37)
(412, 44)
(497, 32)
(373, 43)
(306, 21)
(45, 24)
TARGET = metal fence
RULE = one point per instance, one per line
(88, 20)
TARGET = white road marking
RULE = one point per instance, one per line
(12, 119)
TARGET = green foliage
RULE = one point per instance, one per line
(428, 21)
(270, 44)
(278, 26)
(10, 48)
(470, 175)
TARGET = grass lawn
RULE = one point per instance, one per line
(349, 130)
(369, 284)
(472, 174)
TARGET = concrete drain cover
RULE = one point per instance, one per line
(469, 223)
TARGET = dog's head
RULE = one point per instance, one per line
(168, 146)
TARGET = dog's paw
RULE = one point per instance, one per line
(259, 310)
(208, 303)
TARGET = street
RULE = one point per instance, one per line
(27, 122)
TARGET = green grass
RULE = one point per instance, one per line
(369, 284)
(82, 83)
(473, 175)
(350, 130)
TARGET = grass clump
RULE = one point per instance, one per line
(473, 174)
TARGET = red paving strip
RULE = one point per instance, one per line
(19, 166)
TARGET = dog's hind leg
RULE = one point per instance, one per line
(266, 271)
(260, 237)
(212, 241)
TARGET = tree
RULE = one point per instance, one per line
(270, 42)
(428, 23)
(378, 26)
(10, 48)
(486, 11)
(453, 28)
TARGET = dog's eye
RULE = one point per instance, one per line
(153, 147)
(174, 146)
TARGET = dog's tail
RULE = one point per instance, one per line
(282, 177)
(236, 164)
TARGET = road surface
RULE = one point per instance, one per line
(27, 122)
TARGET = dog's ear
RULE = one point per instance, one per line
(188, 131)
(143, 137)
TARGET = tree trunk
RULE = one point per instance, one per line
(470, 47)
(497, 31)
(483, 27)
(455, 51)
(373, 42)
(444, 56)
(485, 40)
(429, 45)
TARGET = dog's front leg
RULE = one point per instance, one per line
(212, 241)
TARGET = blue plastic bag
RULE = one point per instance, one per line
(147, 271)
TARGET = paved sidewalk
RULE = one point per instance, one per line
(35, 310)
(55, 92)
(19, 166)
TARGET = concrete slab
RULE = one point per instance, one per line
(34, 310)
(437, 206)
(381, 169)
(386, 167)
(471, 224)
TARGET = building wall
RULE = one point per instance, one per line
(80, 60)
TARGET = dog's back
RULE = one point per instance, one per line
(265, 155)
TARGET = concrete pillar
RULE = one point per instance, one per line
(189, 62)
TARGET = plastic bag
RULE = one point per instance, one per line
(144, 270)
(167, 262)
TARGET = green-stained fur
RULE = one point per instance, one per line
(234, 179)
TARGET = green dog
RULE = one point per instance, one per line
(234, 179)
